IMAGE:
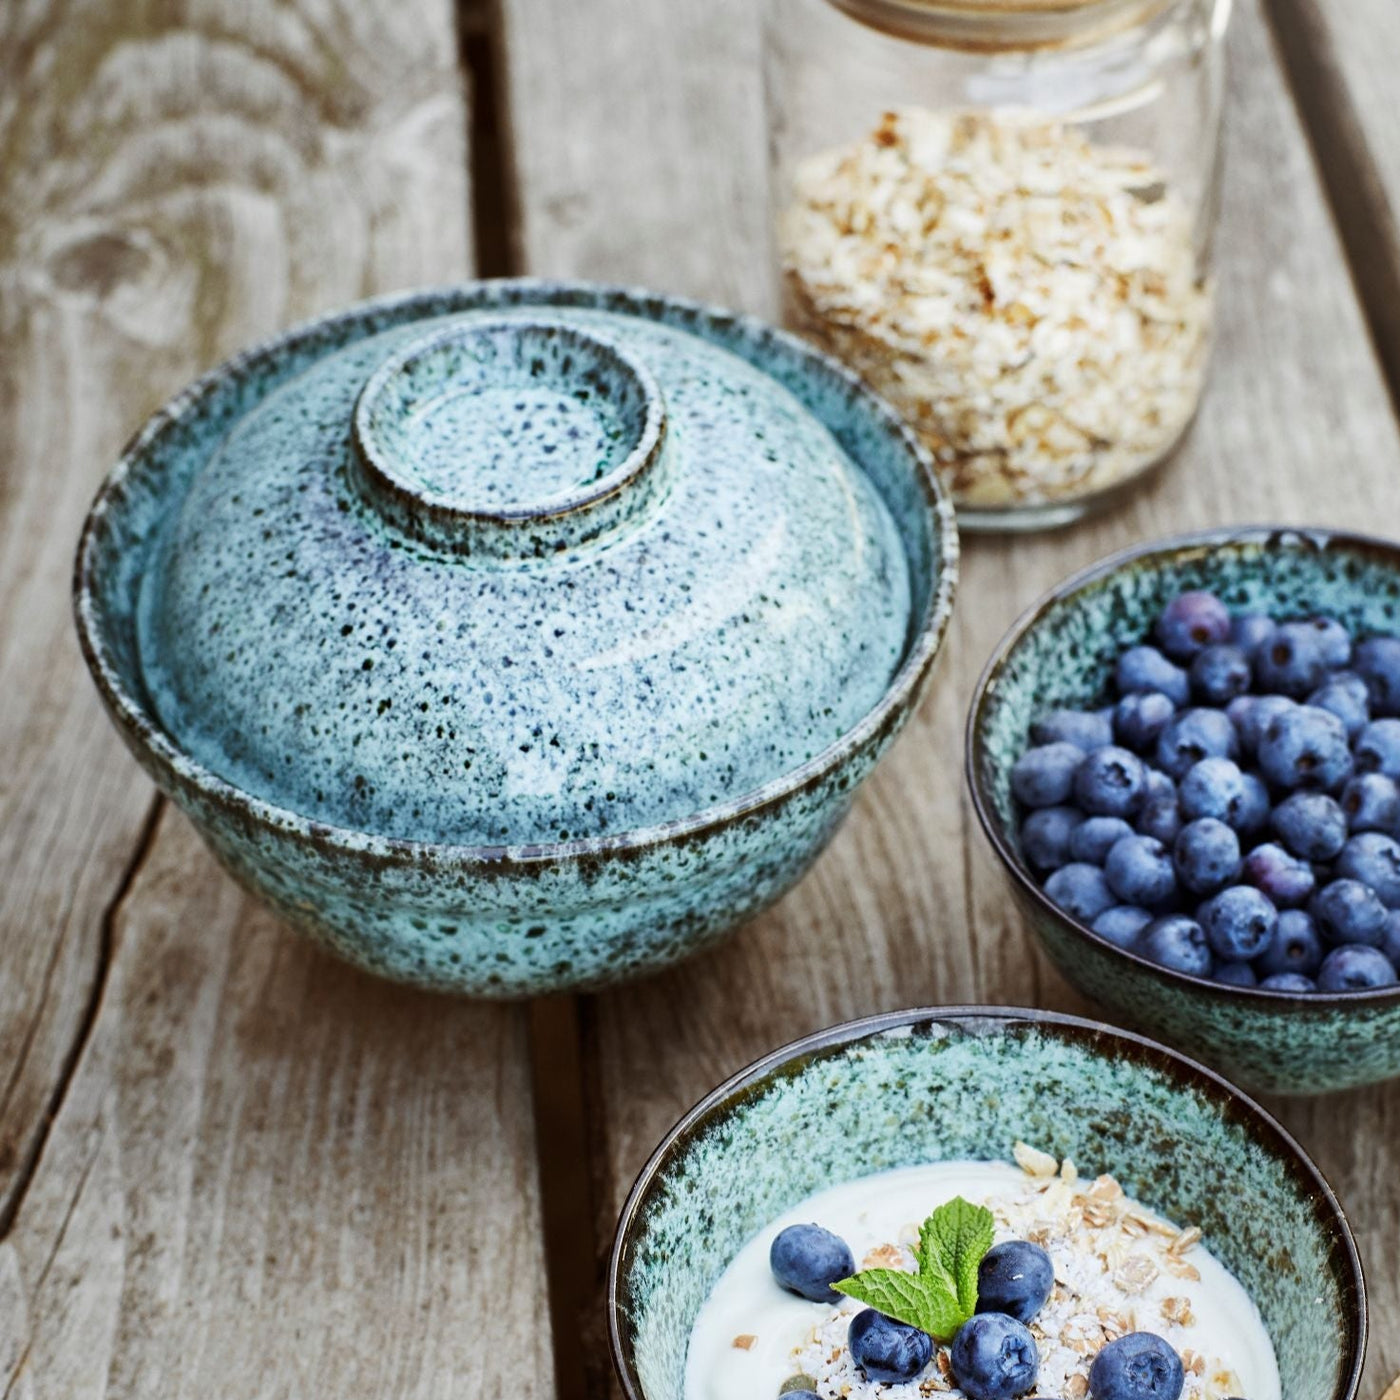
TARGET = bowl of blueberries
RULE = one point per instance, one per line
(1188, 759)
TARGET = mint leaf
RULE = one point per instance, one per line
(943, 1294)
(952, 1242)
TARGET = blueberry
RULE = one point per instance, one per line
(1160, 818)
(1282, 878)
(1378, 748)
(1334, 639)
(1192, 736)
(1373, 858)
(1139, 718)
(1158, 785)
(1139, 871)
(1219, 674)
(1081, 891)
(1044, 776)
(1085, 729)
(1140, 1366)
(1311, 825)
(1371, 802)
(1236, 974)
(1252, 714)
(1297, 946)
(1096, 837)
(1207, 856)
(994, 1357)
(1252, 812)
(1046, 835)
(1288, 982)
(1249, 631)
(797, 1387)
(1345, 696)
(1145, 668)
(1191, 622)
(1121, 925)
(1356, 970)
(1239, 923)
(1349, 912)
(886, 1350)
(1390, 943)
(1014, 1278)
(1177, 943)
(1214, 787)
(1110, 782)
(1292, 661)
(807, 1260)
(1377, 662)
(1305, 748)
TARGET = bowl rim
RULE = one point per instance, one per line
(1201, 542)
(148, 737)
(1327, 1209)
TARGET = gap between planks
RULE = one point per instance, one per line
(10, 1209)
(1346, 163)
(562, 1145)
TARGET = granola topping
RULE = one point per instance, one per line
(1118, 1268)
(1029, 300)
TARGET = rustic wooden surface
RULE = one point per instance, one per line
(908, 907)
(229, 1165)
(267, 1174)
(1342, 55)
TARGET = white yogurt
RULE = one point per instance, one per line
(787, 1333)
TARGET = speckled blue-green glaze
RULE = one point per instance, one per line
(517, 636)
(931, 1086)
(1062, 653)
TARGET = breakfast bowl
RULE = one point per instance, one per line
(517, 636)
(1101, 1120)
(1061, 653)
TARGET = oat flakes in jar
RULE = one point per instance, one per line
(1000, 213)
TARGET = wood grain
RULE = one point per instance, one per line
(276, 1176)
(1342, 54)
(623, 147)
(268, 1176)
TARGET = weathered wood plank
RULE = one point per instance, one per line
(273, 1168)
(1341, 54)
(623, 147)
(266, 1166)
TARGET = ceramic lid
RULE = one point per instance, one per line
(527, 573)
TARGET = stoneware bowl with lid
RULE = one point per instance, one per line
(517, 636)
(949, 1084)
(1061, 652)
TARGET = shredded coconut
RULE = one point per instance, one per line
(1029, 300)
(1118, 1269)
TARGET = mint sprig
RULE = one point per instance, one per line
(943, 1294)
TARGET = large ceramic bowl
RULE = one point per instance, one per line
(1062, 652)
(479, 722)
(916, 1087)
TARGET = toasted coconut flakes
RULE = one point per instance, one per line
(1029, 300)
(745, 1341)
(1034, 1162)
(1186, 1240)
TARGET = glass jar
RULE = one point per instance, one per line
(1000, 213)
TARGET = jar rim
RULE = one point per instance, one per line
(1002, 25)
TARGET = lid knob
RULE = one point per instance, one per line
(509, 439)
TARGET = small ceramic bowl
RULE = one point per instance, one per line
(517, 636)
(916, 1087)
(1062, 652)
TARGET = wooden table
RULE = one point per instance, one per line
(232, 1166)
